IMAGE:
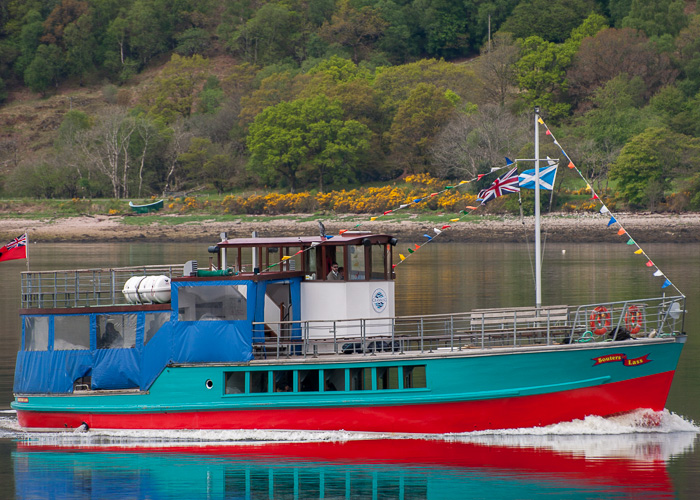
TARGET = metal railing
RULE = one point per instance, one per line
(478, 329)
(84, 287)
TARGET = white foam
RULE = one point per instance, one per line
(641, 435)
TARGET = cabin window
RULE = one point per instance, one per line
(387, 377)
(211, 303)
(71, 333)
(258, 382)
(378, 252)
(360, 379)
(283, 380)
(414, 377)
(334, 380)
(356, 265)
(115, 331)
(308, 380)
(36, 333)
(153, 324)
(235, 383)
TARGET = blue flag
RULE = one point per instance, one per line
(547, 175)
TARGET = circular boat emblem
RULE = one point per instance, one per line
(379, 300)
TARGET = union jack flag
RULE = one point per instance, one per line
(20, 241)
(507, 183)
(16, 249)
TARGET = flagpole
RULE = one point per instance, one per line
(538, 249)
(26, 249)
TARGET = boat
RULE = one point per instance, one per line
(146, 208)
(261, 338)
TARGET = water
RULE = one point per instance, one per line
(642, 455)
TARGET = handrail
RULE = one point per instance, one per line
(84, 287)
(483, 329)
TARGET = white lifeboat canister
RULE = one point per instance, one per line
(160, 289)
(131, 289)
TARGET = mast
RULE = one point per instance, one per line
(538, 246)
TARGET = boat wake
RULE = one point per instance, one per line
(643, 434)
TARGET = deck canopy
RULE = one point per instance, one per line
(362, 256)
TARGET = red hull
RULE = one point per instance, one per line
(525, 411)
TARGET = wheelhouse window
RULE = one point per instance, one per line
(71, 333)
(116, 331)
(211, 303)
(356, 263)
(36, 333)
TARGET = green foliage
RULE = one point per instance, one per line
(174, 90)
(73, 122)
(552, 20)
(303, 139)
(192, 41)
(656, 18)
(648, 163)
(541, 73)
(617, 115)
(45, 69)
(417, 122)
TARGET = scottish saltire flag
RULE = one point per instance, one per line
(16, 249)
(547, 176)
(507, 183)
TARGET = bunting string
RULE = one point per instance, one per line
(613, 221)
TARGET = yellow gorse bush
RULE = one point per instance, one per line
(370, 200)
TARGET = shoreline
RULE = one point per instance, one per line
(582, 228)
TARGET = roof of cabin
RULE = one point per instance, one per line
(347, 238)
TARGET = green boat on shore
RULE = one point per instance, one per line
(144, 209)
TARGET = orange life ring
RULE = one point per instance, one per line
(633, 319)
(600, 320)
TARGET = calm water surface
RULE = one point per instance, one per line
(613, 458)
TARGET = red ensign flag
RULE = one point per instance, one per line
(16, 249)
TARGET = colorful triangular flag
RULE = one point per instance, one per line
(611, 221)
(666, 283)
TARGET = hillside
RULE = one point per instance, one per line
(291, 97)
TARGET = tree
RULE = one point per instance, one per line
(552, 20)
(649, 161)
(269, 35)
(393, 84)
(470, 142)
(616, 115)
(497, 68)
(45, 69)
(656, 18)
(541, 73)
(418, 120)
(306, 135)
(105, 148)
(357, 29)
(174, 91)
(612, 52)
(65, 13)
(81, 46)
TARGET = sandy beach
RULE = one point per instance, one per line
(644, 228)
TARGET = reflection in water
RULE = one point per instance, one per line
(593, 458)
